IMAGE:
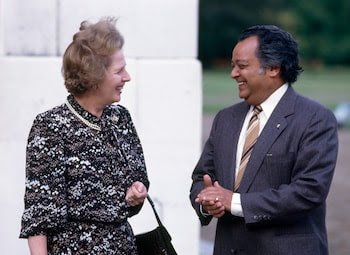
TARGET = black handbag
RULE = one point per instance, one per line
(157, 241)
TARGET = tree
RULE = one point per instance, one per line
(321, 27)
(221, 21)
(323, 30)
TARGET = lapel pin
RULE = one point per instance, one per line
(278, 125)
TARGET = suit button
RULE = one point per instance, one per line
(233, 251)
(256, 217)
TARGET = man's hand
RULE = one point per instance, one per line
(209, 198)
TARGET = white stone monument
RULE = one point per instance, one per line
(164, 98)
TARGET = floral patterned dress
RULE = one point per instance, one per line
(77, 178)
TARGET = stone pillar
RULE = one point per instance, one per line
(164, 98)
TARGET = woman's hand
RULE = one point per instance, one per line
(136, 194)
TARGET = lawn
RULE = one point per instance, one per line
(327, 86)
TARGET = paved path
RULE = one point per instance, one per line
(338, 201)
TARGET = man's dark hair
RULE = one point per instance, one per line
(277, 48)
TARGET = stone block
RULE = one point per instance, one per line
(1, 28)
(31, 85)
(170, 122)
(12, 179)
(30, 27)
(170, 92)
(151, 28)
(169, 125)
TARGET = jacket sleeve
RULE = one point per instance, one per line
(204, 166)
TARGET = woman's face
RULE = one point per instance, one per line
(110, 89)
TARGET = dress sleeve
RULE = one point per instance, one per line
(135, 157)
(45, 197)
(134, 151)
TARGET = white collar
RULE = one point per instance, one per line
(271, 102)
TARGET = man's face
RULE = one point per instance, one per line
(254, 83)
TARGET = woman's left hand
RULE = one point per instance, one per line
(136, 194)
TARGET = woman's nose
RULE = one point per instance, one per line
(126, 77)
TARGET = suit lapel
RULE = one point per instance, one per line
(235, 122)
(273, 128)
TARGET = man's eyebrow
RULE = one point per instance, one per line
(240, 62)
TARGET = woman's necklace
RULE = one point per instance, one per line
(86, 122)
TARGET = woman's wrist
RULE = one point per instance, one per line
(38, 245)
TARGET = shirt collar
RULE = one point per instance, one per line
(271, 102)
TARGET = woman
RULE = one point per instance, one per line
(85, 170)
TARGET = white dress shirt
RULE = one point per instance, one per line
(268, 106)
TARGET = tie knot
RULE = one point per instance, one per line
(257, 109)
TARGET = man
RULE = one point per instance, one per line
(267, 166)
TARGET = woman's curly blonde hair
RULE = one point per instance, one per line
(87, 58)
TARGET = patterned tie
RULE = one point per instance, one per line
(250, 140)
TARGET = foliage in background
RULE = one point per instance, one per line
(321, 27)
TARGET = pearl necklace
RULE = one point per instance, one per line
(86, 122)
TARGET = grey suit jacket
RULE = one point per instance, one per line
(286, 182)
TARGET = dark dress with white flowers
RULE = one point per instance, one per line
(77, 178)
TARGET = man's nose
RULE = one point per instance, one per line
(234, 72)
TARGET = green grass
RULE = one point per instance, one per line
(329, 86)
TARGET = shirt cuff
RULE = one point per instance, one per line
(236, 206)
(205, 214)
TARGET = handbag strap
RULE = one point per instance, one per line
(154, 210)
